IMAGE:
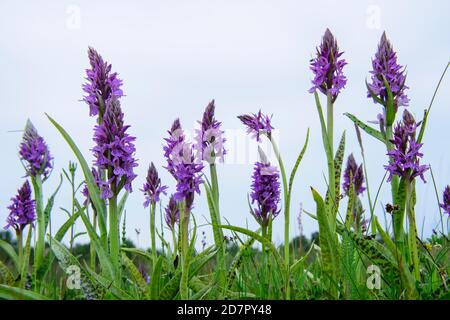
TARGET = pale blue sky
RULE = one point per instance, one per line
(175, 56)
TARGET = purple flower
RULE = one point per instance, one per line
(152, 187)
(114, 152)
(406, 153)
(102, 84)
(385, 65)
(35, 153)
(99, 183)
(209, 139)
(22, 210)
(257, 124)
(182, 165)
(172, 215)
(174, 143)
(357, 176)
(446, 200)
(265, 192)
(328, 68)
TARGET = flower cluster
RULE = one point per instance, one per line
(265, 191)
(406, 153)
(35, 153)
(353, 175)
(172, 215)
(22, 211)
(114, 152)
(152, 187)
(257, 124)
(385, 66)
(173, 144)
(102, 84)
(209, 139)
(446, 200)
(182, 165)
(328, 67)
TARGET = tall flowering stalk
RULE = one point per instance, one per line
(114, 154)
(388, 88)
(405, 164)
(101, 87)
(181, 163)
(153, 189)
(21, 213)
(35, 155)
(210, 147)
(329, 79)
(259, 125)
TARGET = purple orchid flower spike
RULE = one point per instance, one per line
(22, 209)
(445, 205)
(114, 152)
(385, 66)
(181, 163)
(35, 153)
(152, 187)
(172, 215)
(405, 157)
(257, 124)
(102, 84)
(357, 176)
(210, 138)
(328, 67)
(265, 191)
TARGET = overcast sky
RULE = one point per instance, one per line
(175, 56)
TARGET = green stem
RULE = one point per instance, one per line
(152, 231)
(114, 239)
(175, 246)
(331, 174)
(184, 226)
(412, 231)
(221, 271)
(40, 243)
(93, 253)
(286, 216)
(20, 247)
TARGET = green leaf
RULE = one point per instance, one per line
(104, 258)
(66, 226)
(236, 263)
(13, 293)
(297, 163)
(9, 250)
(50, 202)
(390, 109)
(122, 203)
(328, 243)
(107, 286)
(263, 241)
(155, 279)
(136, 275)
(139, 252)
(369, 130)
(94, 192)
(338, 160)
(6, 276)
(66, 261)
(24, 264)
